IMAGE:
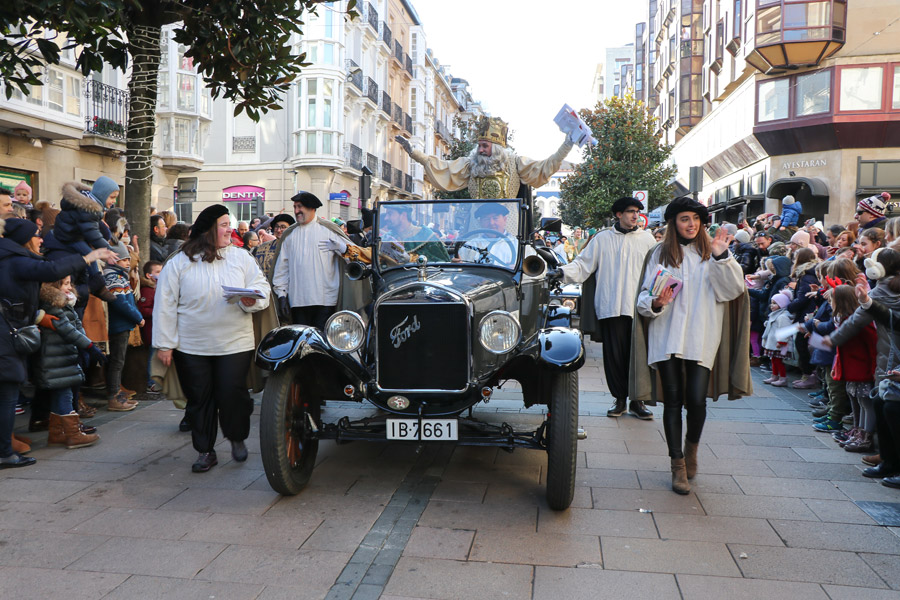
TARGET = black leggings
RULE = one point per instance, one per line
(887, 424)
(684, 383)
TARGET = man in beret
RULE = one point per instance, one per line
(615, 257)
(493, 245)
(307, 276)
(416, 240)
(266, 252)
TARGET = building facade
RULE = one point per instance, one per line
(776, 97)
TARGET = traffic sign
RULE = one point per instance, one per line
(640, 196)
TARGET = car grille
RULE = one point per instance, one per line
(423, 346)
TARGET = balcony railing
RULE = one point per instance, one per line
(409, 64)
(372, 163)
(398, 51)
(372, 90)
(385, 103)
(243, 143)
(398, 179)
(386, 172)
(407, 183)
(372, 16)
(397, 114)
(355, 75)
(386, 34)
(441, 130)
(353, 154)
(106, 110)
(407, 123)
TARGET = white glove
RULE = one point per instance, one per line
(333, 245)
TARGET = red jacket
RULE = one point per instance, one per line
(855, 360)
(145, 305)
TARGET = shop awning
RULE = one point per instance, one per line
(789, 186)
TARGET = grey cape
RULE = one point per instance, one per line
(730, 373)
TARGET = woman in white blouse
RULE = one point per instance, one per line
(209, 339)
(686, 325)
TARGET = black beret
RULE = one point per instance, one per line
(686, 204)
(283, 218)
(20, 230)
(206, 220)
(622, 204)
(368, 217)
(491, 208)
(307, 200)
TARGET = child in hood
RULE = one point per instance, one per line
(778, 350)
(790, 213)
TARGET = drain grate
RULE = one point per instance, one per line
(884, 513)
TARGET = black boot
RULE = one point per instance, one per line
(205, 462)
(617, 409)
(637, 408)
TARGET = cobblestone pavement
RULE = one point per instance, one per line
(775, 513)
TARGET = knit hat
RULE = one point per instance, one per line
(742, 236)
(20, 230)
(120, 249)
(206, 220)
(102, 188)
(801, 238)
(777, 249)
(874, 205)
(788, 200)
(730, 228)
(283, 218)
(781, 299)
(819, 225)
(622, 204)
(686, 204)
(23, 186)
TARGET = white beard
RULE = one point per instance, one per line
(485, 166)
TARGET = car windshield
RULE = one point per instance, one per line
(481, 232)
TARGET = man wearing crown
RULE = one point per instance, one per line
(491, 170)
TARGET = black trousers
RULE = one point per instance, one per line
(803, 355)
(684, 383)
(314, 316)
(615, 335)
(887, 424)
(216, 391)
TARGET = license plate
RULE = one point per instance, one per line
(433, 430)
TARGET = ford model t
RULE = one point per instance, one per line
(454, 303)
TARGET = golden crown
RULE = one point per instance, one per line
(493, 130)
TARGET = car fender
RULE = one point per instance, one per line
(560, 349)
(559, 316)
(292, 343)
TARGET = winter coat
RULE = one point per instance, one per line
(21, 273)
(81, 218)
(778, 319)
(856, 357)
(145, 305)
(774, 285)
(790, 214)
(801, 306)
(825, 326)
(158, 251)
(123, 313)
(747, 256)
(172, 246)
(58, 365)
(854, 325)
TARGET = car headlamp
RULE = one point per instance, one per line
(345, 331)
(569, 303)
(499, 332)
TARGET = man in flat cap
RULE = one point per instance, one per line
(415, 240)
(493, 244)
(307, 277)
(615, 256)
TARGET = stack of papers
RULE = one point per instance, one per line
(665, 279)
(574, 127)
(233, 294)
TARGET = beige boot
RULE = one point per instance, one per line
(690, 458)
(75, 438)
(56, 430)
(680, 483)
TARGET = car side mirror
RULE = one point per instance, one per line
(354, 227)
(548, 255)
(551, 224)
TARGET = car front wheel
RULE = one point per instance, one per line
(286, 437)
(562, 440)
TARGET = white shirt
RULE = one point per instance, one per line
(307, 275)
(690, 326)
(191, 315)
(617, 259)
(501, 249)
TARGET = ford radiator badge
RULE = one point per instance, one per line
(401, 332)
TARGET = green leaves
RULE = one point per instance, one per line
(628, 157)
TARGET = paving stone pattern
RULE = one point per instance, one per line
(772, 514)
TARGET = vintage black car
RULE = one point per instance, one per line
(453, 304)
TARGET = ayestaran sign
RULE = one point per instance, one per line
(802, 164)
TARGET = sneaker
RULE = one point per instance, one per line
(828, 425)
(820, 412)
(770, 379)
(154, 388)
(817, 404)
(817, 395)
(20, 410)
(205, 461)
(820, 419)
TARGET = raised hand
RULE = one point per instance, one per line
(720, 242)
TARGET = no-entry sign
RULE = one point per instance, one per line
(640, 195)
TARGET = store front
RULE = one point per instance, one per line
(245, 202)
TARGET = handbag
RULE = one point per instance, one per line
(26, 339)
(888, 389)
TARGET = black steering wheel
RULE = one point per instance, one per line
(486, 251)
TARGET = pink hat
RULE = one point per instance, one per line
(24, 186)
(781, 300)
(801, 238)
